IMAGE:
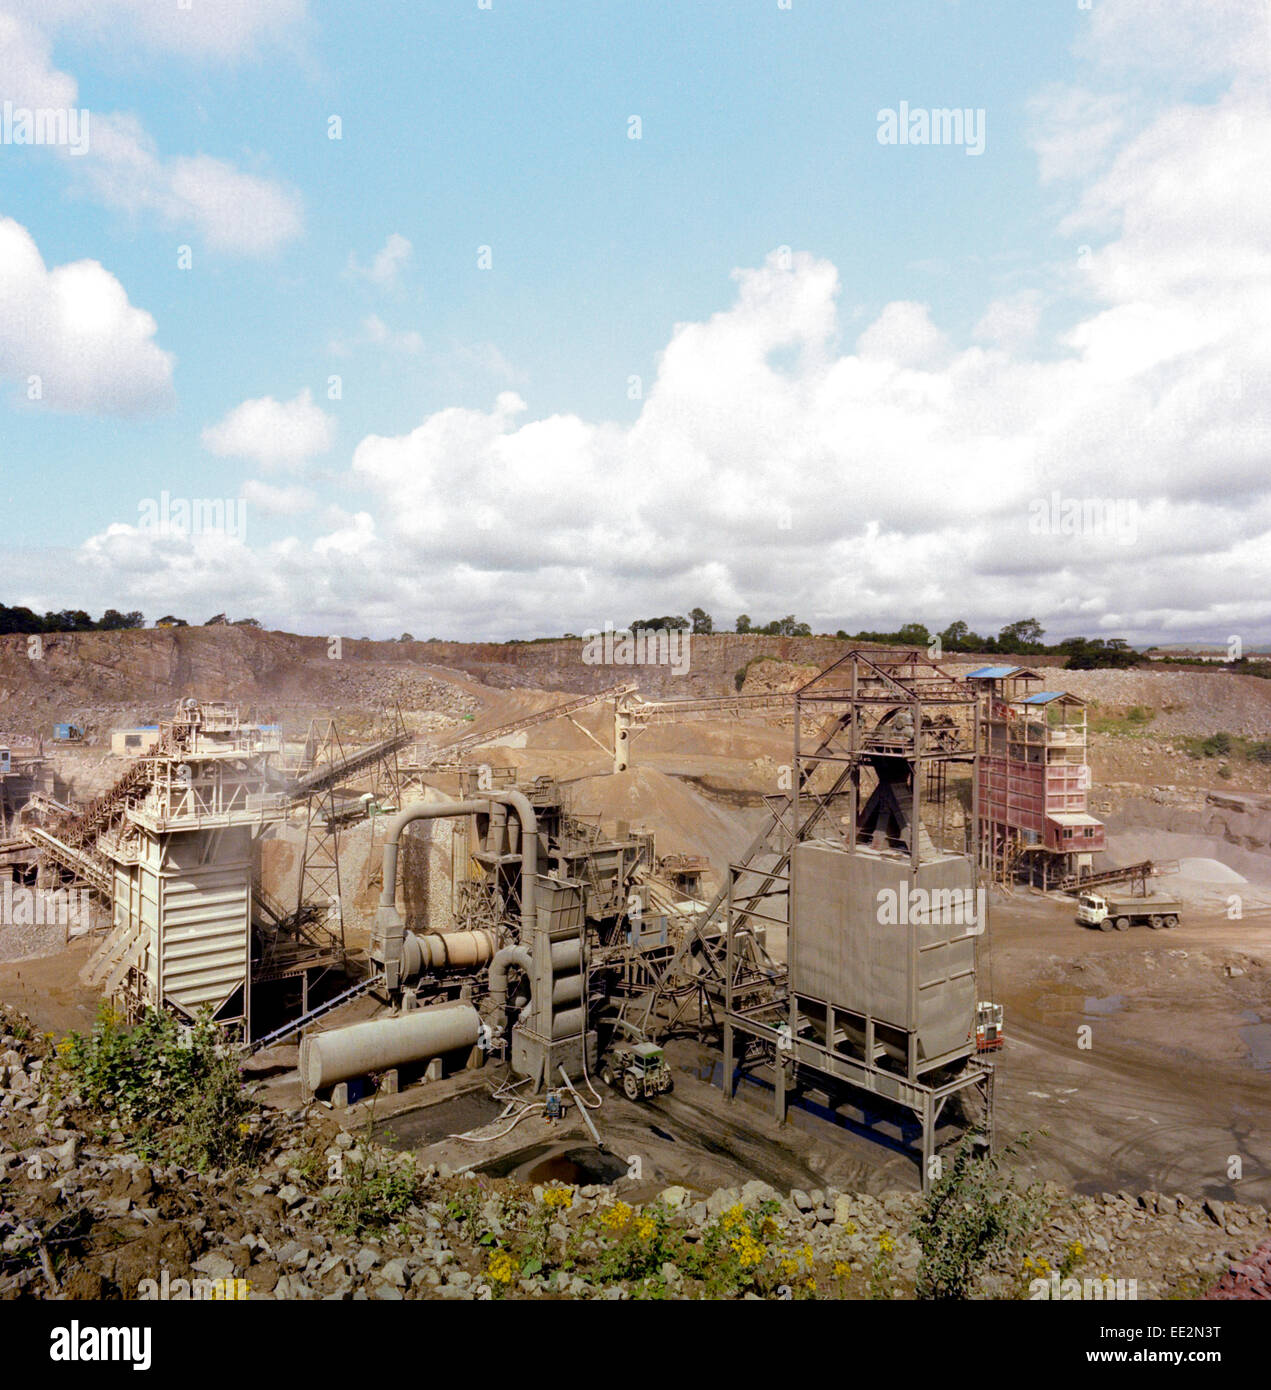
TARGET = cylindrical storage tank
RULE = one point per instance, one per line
(567, 955)
(452, 950)
(565, 1025)
(326, 1058)
(566, 989)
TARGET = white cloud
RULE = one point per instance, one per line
(1010, 323)
(277, 501)
(221, 29)
(376, 331)
(776, 466)
(1196, 40)
(274, 434)
(903, 334)
(234, 211)
(74, 329)
(388, 262)
(27, 75)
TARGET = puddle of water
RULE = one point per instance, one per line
(1112, 1004)
(552, 1163)
(1257, 1037)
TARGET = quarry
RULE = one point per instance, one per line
(593, 965)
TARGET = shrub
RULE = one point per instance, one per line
(374, 1196)
(174, 1092)
(970, 1220)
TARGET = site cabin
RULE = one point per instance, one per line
(1155, 911)
(134, 743)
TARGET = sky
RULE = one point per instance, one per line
(480, 319)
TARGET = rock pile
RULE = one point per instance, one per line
(326, 1214)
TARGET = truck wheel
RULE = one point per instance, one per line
(630, 1087)
(607, 1076)
(1156, 921)
(1171, 919)
(1123, 924)
(670, 1085)
(1106, 924)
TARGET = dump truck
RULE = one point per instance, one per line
(1122, 912)
(639, 1069)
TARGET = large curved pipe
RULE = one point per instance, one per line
(509, 955)
(421, 810)
(388, 922)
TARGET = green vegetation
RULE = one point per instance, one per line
(1225, 745)
(67, 620)
(789, 626)
(1094, 653)
(375, 1193)
(971, 1220)
(1134, 721)
(175, 1093)
(742, 1251)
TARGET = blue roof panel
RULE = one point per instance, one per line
(1043, 697)
(992, 673)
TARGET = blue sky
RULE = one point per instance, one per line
(769, 462)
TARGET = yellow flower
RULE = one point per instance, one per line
(850, 1228)
(502, 1267)
(747, 1249)
(885, 1243)
(558, 1197)
(733, 1217)
(617, 1216)
(789, 1267)
(645, 1227)
(810, 1284)
(842, 1270)
(768, 1227)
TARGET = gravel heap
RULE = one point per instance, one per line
(83, 1218)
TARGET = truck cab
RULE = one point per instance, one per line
(1092, 910)
(988, 1026)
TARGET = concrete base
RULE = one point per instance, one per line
(541, 1059)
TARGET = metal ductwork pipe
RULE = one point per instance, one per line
(509, 955)
(363, 1048)
(388, 944)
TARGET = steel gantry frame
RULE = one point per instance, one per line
(895, 715)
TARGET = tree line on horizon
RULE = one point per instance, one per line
(1021, 638)
(26, 620)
